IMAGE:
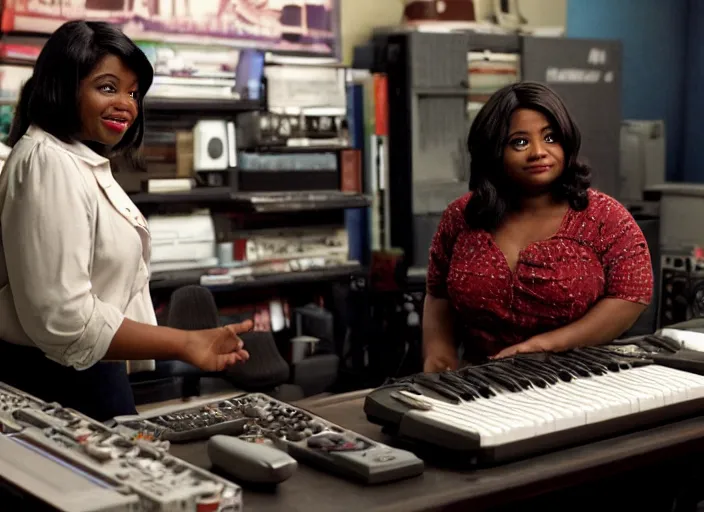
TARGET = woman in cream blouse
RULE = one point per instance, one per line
(74, 258)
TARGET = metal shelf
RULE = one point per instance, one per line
(177, 279)
(199, 105)
(257, 202)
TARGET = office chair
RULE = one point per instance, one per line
(193, 308)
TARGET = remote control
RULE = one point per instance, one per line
(249, 461)
(304, 436)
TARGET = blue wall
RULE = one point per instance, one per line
(654, 34)
(694, 97)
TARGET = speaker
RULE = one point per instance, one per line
(681, 289)
(210, 146)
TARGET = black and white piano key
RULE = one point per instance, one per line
(516, 415)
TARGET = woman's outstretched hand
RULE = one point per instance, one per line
(213, 350)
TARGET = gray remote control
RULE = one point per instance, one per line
(250, 462)
(304, 436)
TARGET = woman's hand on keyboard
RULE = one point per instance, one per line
(439, 357)
(539, 343)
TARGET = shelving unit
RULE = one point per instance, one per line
(255, 202)
(237, 210)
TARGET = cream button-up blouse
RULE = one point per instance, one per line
(74, 252)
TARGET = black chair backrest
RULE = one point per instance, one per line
(193, 307)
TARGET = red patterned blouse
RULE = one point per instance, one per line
(596, 253)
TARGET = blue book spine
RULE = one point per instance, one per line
(356, 220)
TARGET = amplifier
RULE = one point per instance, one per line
(266, 129)
(303, 169)
(681, 289)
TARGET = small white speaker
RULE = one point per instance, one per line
(210, 146)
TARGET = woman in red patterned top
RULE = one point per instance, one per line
(531, 259)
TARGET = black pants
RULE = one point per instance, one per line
(101, 392)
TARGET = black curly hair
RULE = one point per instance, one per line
(493, 195)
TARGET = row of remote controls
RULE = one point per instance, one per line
(258, 439)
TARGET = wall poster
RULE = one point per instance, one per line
(308, 26)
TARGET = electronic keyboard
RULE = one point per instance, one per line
(528, 404)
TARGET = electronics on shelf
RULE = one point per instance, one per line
(306, 105)
(214, 145)
(277, 244)
(315, 127)
(249, 271)
(183, 241)
(306, 88)
(310, 169)
(681, 289)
